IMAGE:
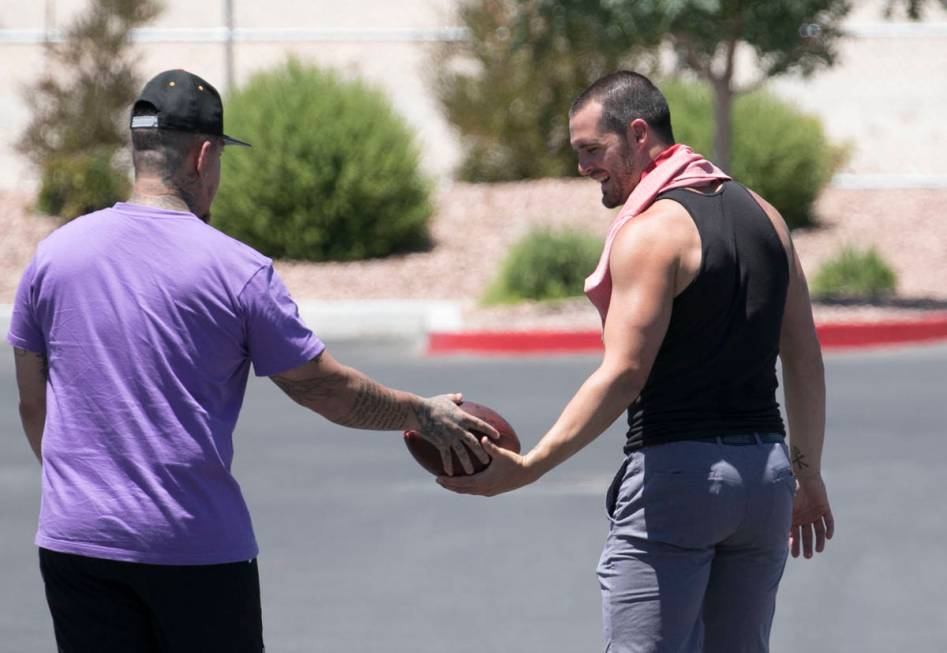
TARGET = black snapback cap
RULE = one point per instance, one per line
(183, 102)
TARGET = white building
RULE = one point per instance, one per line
(887, 95)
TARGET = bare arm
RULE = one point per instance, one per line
(801, 356)
(643, 266)
(347, 397)
(32, 371)
(350, 398)
(644, 263)
(803, 378)
(804, 389)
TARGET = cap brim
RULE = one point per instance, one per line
(228, 140)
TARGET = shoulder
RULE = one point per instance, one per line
(779, 224)
(658, 234)
(76, 230)
(82, 223)
(234, 247)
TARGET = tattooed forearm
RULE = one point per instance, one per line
(371, 405)
(376, 407)
(798, 459)
(311, 391)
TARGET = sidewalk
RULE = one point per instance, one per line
(439, 326)
(385, 319)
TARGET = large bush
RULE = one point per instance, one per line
(74, 184)
(854, 273)
(545, 265)
(333, 173)
(778, 151)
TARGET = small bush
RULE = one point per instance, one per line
(80, 104)
(545, 265)
(854, 273)
(778, 151)
(333, 173)
(78, 183)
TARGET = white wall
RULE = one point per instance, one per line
(886, 96)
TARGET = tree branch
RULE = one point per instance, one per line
(730, 59)
(692, 58)
(755, 85)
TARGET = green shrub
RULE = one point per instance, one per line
(854, 273)
(80, 104)
(507, 88)
(78, 183)
(333, 173)
(545, 265)
(778, 151)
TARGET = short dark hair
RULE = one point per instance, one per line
(626, 96)
(161, 151)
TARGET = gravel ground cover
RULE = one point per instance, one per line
(475, 224)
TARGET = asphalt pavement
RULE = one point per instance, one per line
(361, 551)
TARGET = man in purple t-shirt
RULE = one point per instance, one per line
(134, 329)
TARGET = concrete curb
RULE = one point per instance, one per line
(833, 336)
(438, 325)
(380, 319)
(387, 319)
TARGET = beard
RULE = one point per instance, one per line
(612, 193)
(617, 188)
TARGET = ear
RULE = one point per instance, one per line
(637, 131)
(204, 157)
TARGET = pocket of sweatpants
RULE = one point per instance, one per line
(624, 486)
(782, 499)
(781, 470)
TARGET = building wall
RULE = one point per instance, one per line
(886, 95)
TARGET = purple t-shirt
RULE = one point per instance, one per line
(150, 320)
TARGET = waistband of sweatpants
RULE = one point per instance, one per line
(742, 439)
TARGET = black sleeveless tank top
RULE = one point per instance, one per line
(715, 373)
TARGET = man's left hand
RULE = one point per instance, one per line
(811, 517)
(507, 471)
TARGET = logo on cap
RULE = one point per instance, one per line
(181, 101)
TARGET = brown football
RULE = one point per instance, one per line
(429, 457)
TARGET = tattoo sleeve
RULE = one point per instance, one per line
(373, 406)
(376, 407)
(310, 391)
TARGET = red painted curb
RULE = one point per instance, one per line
(880, 334)
(833, 336)
(514, 342)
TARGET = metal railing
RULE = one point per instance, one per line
(222, 34)
(34, 36)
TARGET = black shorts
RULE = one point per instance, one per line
(101, 606)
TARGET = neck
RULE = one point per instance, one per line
(149, 191)
(656, 150)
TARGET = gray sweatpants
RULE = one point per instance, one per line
(696, 548)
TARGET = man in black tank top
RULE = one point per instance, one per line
(706, 291)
